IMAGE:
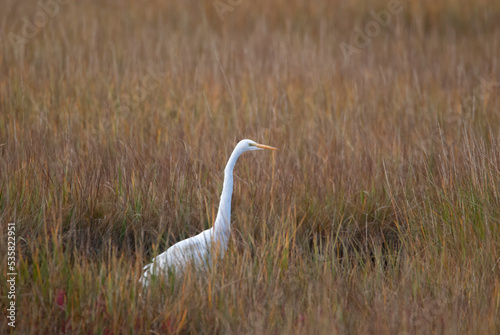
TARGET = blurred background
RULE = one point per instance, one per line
(379, 213)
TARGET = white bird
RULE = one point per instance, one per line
(198, 249)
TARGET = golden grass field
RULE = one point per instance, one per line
(380, 214)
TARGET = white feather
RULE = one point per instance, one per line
(198, 250)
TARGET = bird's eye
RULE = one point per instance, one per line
(251, 145)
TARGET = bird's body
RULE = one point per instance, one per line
(196, 249)
(200, 249)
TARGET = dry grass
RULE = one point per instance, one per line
(379, 214)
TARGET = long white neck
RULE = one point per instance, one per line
(222, 224)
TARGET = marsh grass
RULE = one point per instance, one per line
(379, 214)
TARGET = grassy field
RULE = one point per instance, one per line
(380, 214)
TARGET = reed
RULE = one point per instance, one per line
(379, 214)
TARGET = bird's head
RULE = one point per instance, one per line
(249, 145)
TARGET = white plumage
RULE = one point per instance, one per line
(200, 248)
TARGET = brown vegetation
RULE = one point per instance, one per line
(379, 214)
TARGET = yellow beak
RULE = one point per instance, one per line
(262, 146)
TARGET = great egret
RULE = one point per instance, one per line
(198, 249)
